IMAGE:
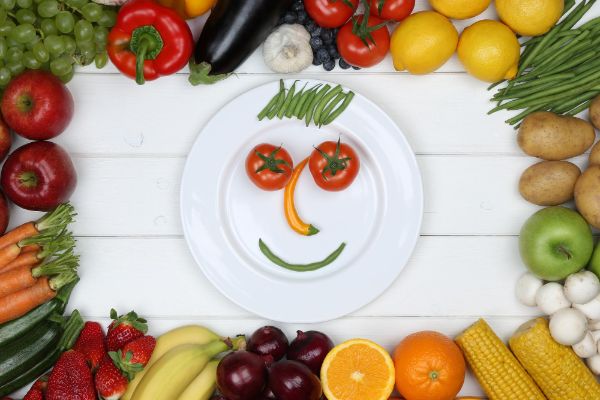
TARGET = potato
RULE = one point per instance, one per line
(594, 158)
(555, 137)
(595, 112)
(549, 183)
(587, 195)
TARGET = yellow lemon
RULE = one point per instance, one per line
(423, 42)
(530, 17)
(460, 9)
(489, 50)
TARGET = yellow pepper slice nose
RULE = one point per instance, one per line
(289, 206)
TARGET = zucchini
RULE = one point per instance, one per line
(17, 357)
(12, 330)
(31, 374)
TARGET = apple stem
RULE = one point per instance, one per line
(564, 251)
(28, 179)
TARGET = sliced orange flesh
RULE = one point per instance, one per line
(358, 369)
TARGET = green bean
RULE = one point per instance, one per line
(548, 100)
(327, 110)
(530, 89)
(268, 107)
(579, 109)
(288, 100)
(591, 24)
(292, 107)
(564, 106)
(336, 113)
(273, 112)
(308, 101)
(300, 103)
(576, 15)
(523, 114)
(314, 102)
(573, 46)
(551, 51)
(326, 99)
(300, 267)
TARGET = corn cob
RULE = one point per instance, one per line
(497, 370)
(555, 368)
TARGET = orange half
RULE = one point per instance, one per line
(358, 369)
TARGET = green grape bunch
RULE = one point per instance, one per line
(54, 35)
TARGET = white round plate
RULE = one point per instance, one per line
(224, 214)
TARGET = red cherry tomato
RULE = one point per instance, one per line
(363, 45)
(269, 167)
(395, 10)
(330, 13)
(334, 165)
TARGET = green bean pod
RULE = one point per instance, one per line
(332, 104)
(288, 100)
(336, 113)
(300, 267)
(314, 102)
(324, 101)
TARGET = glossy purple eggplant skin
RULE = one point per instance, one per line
(234, 29)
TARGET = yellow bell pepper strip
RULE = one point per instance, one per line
(289, 206)
(189, 9)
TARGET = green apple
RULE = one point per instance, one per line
(555, 242)
(594, 265)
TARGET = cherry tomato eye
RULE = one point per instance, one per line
(269, 167)
(334, 165)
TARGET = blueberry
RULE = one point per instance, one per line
(316, 31)
(298, 6)
(355, 68)
(344, 64)
(310, 26)
(290, 17)
(316, 60)
(302, 17)
(329, 65)
(316, 42)
(326, 34)
(323, 54)
(333, 52)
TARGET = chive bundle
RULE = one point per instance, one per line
(558, 72)
(320, 104)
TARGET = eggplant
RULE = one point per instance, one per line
(234, 29)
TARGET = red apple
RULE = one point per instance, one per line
(5, 140)
(39, 176)
(37, 105)
(4, 213)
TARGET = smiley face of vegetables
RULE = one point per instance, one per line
(334, 165)
(269, 167)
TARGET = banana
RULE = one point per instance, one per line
(203, 386)
(189, 334)
(174, 371)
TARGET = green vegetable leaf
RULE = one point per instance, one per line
(200, 74)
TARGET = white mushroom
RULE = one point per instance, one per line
(593, 324)
(527, 286)
(550, 298)
(594, 364)
(591, 309)
(581, 287)
(568, 326)
(587, 347)
(287, 49)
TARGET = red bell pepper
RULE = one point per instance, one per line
(149, 41)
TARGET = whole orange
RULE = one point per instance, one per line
(429, 366)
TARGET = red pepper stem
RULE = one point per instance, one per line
(146, 43)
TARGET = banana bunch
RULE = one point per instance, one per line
(182, 366)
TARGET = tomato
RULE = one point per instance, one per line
(269, 167)
(363, 44)
(334, 165)
(395, 10)
(330, 13)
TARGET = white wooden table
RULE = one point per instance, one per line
(129, 144)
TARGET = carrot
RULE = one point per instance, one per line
(31, 248)
(49, 242)
(9, 254)
(20, 303)
(16, 279)
(29, 258)
(19, 278)
(55, 221)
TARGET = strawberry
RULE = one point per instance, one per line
(110, 382)
(124, 329)
(134, 356)
(34, 394)
(71, 379)
(41, 383)
(91, 344)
